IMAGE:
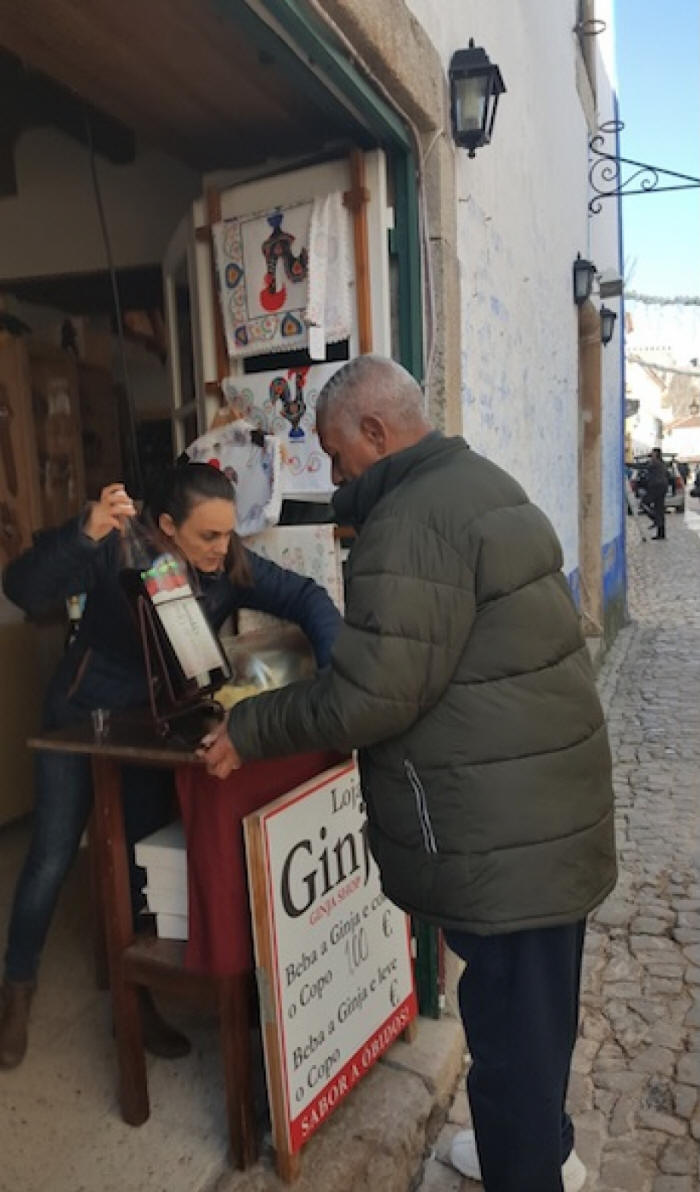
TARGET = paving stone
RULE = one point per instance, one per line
(665, 1034)
(689, 1069)
(674, 1183)
(614, 914)
(595, 1026)
(643, 1144)
(605, 1101)
(687, 935)
(661, 1121)
(648, 926)
(689, 919)
(623, 1116)
(622, 1082)
(667, 986)
(459, 1112)
(436, 1055)
(673, 970)
(649, 1009)
(584, 1055)
(659, 1060)
(624, 1173)
(621, 989)
(680, 1157)
(579, 1097)
(589, 1146)
(685, 1098)
(658, 1095)
(656, 946)
(692, 1018)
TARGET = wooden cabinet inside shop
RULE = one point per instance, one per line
(59, 443)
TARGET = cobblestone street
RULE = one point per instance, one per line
(635, 1084)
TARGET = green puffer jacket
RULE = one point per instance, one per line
(462, 676)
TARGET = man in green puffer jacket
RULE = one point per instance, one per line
(462, 677)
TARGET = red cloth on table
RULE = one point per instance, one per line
(220, 937)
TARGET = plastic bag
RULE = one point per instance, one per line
(265, 660)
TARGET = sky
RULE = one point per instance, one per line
(658, 72)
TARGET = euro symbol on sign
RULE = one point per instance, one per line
(386, 924)
(394, 994)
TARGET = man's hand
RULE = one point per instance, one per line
(219, 754)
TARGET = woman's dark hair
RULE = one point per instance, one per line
(179, 489)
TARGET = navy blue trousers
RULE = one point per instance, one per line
(519, 1001)
(61, 812)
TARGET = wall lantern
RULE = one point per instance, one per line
(607, 324)
(694, 409)
(475, 87)
(584, 272)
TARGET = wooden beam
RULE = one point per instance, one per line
(213, 201)
(356, 200)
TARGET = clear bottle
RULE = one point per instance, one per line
(138, 550)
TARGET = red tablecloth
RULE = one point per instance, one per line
(220, 939)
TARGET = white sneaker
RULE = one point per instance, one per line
(573, 1174)
(464, 1157)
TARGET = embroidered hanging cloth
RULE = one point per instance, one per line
(264, 263)
(283, 402)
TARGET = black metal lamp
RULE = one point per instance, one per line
(607, 324)
(694, 408)
(584, 273)
(475, 86)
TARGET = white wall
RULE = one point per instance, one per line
(521, 220)
(605, 252)
(51, 225)
(684, 441)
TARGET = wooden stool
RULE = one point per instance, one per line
(159, 965)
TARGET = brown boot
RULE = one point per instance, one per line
(158, 1036)
(16, 998)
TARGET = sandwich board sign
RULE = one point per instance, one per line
(333, 954)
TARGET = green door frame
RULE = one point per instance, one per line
(369, 114)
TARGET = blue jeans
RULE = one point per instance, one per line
(519, 1001)
(62, 808)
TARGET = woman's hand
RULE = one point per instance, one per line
(109, 513)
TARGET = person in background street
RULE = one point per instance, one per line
(193, 508)
(462, 676)
(655, 487)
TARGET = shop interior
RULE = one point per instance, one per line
(121, 120)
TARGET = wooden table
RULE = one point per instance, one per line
(154, 963)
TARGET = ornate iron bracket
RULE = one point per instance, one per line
(607, 178)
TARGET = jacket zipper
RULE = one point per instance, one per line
(422, 807)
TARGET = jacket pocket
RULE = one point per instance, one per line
(421, 807)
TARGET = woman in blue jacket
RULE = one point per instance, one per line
(104, 668)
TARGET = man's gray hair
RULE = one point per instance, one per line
(372, 385)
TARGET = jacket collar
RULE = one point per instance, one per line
(353, 502)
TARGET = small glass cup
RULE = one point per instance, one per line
(100, 723)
